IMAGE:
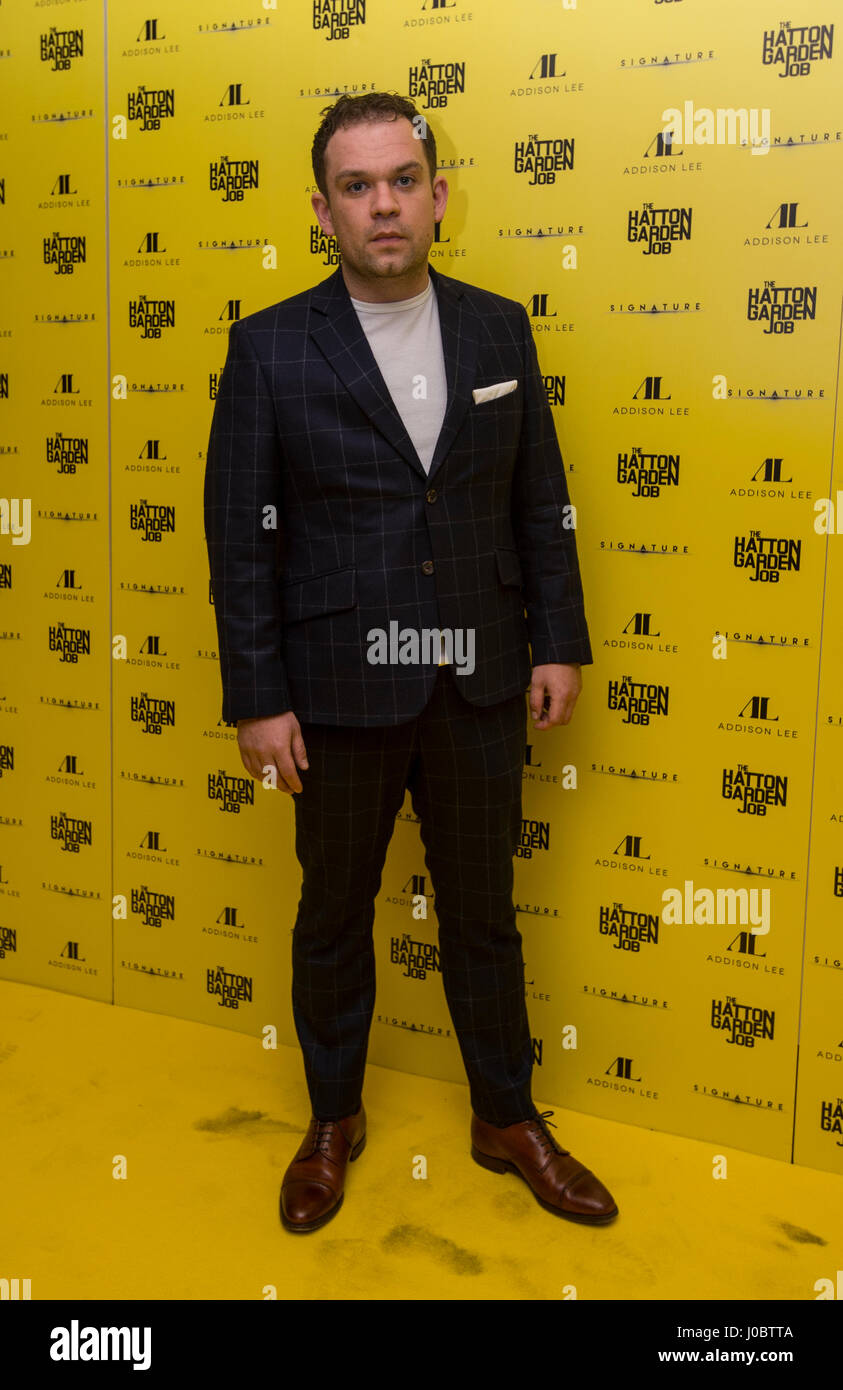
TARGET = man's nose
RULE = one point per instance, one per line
(384, 198)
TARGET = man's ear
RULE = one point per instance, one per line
(322, 209)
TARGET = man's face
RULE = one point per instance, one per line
(379, 184)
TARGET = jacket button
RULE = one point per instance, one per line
(431, 494)
(427, 567)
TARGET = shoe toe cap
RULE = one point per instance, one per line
(303, 1201)
(586, 1195)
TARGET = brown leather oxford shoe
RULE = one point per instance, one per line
(559, 1183)
(312, 1189)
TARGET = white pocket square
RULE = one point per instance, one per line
(489, 393)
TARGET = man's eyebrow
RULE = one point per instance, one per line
(361, 173)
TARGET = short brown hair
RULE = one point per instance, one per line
(371, 106)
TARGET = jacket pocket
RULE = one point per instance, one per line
(318, 594)
(494, 392)
(509, 567)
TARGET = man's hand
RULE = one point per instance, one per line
(273, 741)
(553, 693)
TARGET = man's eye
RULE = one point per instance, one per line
(358, 183)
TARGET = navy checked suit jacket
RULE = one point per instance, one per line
(321, 523)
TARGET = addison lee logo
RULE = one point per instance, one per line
(622, 1074)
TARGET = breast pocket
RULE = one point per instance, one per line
(495, 390)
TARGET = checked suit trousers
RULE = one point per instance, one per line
(463, 766)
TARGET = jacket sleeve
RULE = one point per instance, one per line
(242, 503)
(547, 548)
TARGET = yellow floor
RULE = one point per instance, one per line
(207, 1121)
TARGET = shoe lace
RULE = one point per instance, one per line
(539, 1128)
(323, 1137)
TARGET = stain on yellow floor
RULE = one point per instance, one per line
(207, 1121)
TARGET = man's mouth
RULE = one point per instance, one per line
(388, 236)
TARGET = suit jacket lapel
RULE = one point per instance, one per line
(460, 337)
(338, 334)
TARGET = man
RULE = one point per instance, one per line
(383, 468)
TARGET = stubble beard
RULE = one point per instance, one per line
(379, 265)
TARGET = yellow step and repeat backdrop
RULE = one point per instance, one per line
(660, 185)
